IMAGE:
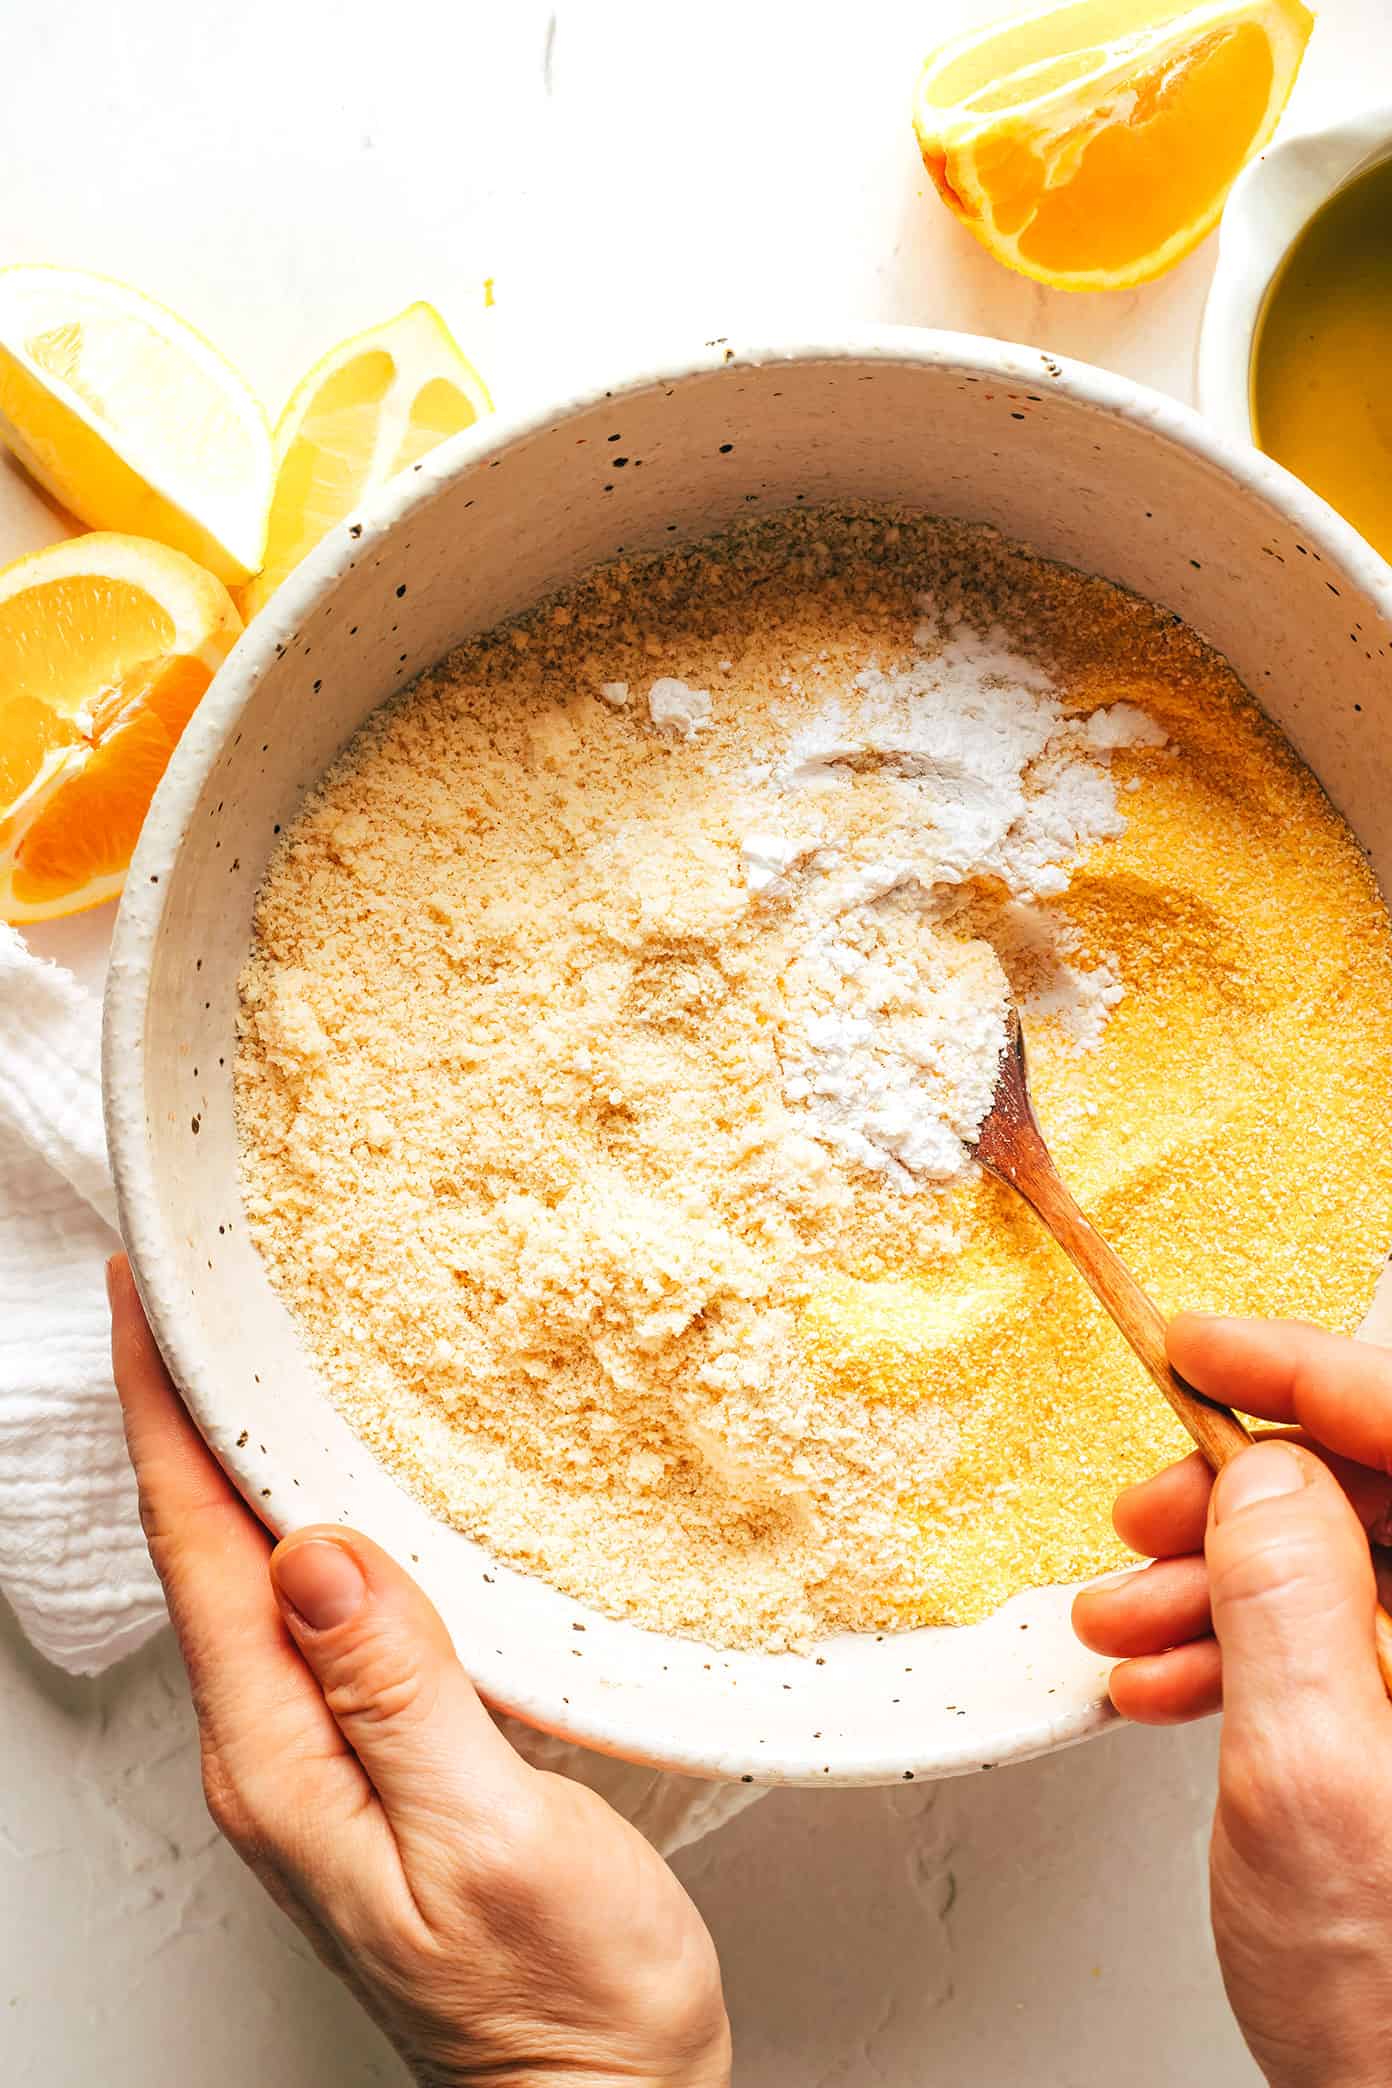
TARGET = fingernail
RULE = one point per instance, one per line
(110, 1273)
(320, 1580)
(1258, 1474)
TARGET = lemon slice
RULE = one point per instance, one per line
(371, 407)
(107, 644)
(131, 419)
(1092, 145)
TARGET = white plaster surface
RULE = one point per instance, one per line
(285, 174)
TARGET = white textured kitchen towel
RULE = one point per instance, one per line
(72, 1557)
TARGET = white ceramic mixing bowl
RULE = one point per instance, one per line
(1086, 468)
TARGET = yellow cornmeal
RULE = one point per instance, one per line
(517, 1158)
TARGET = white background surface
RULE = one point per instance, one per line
(285, 174)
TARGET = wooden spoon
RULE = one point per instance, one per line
(1010, 1145)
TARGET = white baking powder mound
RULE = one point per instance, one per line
(917, 826)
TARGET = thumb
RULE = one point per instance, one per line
(1293, 1594)
(381, 1654)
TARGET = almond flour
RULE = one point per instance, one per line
(619, 1005)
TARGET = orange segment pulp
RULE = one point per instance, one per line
(107, 643)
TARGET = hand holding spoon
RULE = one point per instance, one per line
(1010, 1145)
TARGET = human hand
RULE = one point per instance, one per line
(1262, 1596)
(502, 1925)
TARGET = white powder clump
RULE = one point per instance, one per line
(894, 1039)
(614, 693)
(1038, 950)
(971, 746)
(766, 857)
(678, 709)
(878, 820)
(1124, 725)
(1079, 1000)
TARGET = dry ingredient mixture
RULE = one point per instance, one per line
(619, 1005)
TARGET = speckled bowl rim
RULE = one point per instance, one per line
(628, 1732)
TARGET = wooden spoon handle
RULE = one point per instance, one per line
(1214, 1427)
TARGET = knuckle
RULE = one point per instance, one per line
(149, 1519)
(377, 1682)
(510, 1856)
(1265, 1788)
(157, 1533)
(227, 1806)
(238, 1810)
(174, 1540)
(1276, 1564)
(1249, 1780)
(1259, 1801)
(1309, 1374)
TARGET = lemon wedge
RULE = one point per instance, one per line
(107, 644)
(131, 419)
(368, 409)
(1092, 145)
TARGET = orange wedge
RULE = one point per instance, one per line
(1092, 145)
(107, 644)
(131, 419)
(368, 409)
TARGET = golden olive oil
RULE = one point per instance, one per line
(1322, 359)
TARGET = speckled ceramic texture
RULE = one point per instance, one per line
(1086, 468)
(1270, 206)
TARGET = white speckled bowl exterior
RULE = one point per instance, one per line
(1085, 467)
(1270, 205)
